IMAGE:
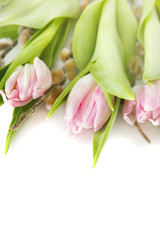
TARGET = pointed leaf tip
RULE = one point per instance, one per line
(101, 136)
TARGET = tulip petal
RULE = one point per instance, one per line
(146, 106)
(90, 121)
(2, 93)
(155, 122)
(86, 107)
(11, 82)
(24, 82)
(149, 96)
(88, 110)
(142, 115)
(72, 127)
(156, 113)
(33, 80)
(44, 78)
(79, 91)
(84, 117)
(128, 112)
(15, 102)
(18, 103)
(103, 110)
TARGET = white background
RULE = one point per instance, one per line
(49, 191)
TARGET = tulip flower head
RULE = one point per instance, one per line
(26, 83)
(86, 107)
(146, 105)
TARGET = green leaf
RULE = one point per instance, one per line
(37, 13)
(4, 2)
(50, 53)
(85, 34)
(63, 97)
(149, 35)
(10, 31)
(1, 101)
(109, 100)
(109, 68)
(2, 73)
(16, 114)
(147, 8)
(62, 38)
(29, 52)
(158, 4)
(125, 22)
(101, 136)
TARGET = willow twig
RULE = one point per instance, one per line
(142, 133)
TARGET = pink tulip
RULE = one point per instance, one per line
(26, 83)
(86, 107)
(146, 105)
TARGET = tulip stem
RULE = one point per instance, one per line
(142, 133)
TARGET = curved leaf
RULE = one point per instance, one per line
(37, 13)
(109, 68)
(127, 22)
(50, 53)
(147, 8)
(2, 73)
(10, 31)
(85, 34)
(101, 136)
(149, 35)
(158, 4)
(4, 2)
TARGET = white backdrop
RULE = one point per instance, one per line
(48, 189)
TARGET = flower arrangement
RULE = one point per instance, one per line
(115, 46)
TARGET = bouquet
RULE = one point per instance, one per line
(114, 50)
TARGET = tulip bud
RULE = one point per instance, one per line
(86, 107)
(146, 105)
(26, 83)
